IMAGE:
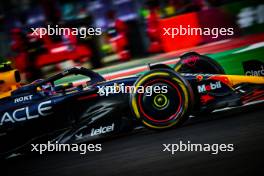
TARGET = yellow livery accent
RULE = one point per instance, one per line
(8, 82)
(235, 79)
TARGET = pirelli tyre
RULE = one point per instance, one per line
(193, 62)
(161, 99)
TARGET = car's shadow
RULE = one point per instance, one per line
(234, 112)
(143, 132)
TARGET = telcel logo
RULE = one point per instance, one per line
(102, 130)
(211, 86)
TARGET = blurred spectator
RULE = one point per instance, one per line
(52, 12)
(27, 49)
(153, 30)
(118, 31)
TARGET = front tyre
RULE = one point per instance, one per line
(161, 99)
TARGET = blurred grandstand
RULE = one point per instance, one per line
(132, 29)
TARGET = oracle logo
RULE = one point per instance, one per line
(26, 113)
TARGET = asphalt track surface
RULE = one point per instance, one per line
(141, 153)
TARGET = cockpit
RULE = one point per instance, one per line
(50, 86)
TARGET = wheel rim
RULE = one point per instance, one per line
(160, 101)
(168, 109)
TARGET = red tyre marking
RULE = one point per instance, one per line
(151, 118)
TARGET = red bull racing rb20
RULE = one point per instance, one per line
(158, 99)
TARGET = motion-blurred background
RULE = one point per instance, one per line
(132, 30)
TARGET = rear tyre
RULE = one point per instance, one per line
(193, 62)
(165, 108)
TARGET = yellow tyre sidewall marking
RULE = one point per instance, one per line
(135, 107)
(134, 103)
(177, 68)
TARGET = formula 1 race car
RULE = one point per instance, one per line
(158, 99)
